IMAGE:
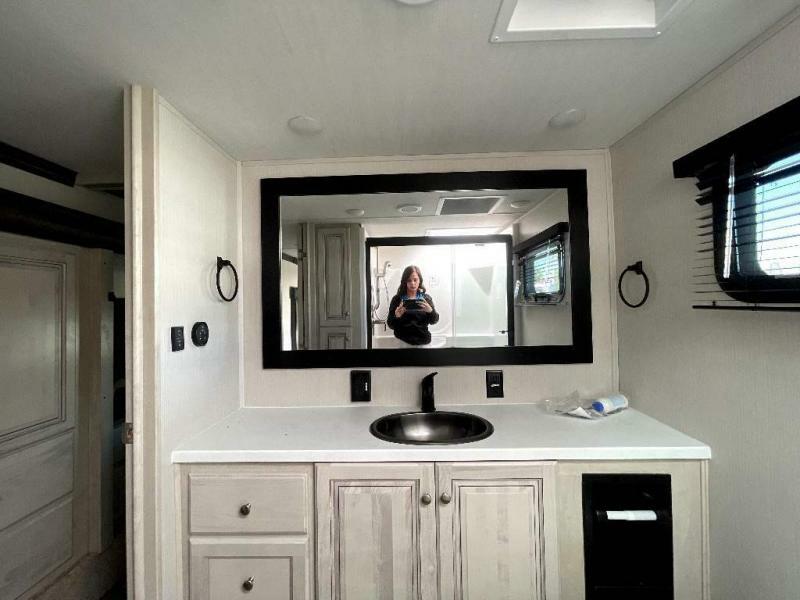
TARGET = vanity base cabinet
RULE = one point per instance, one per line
(376, 531)
(497, 531)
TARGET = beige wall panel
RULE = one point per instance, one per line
(688, 522)
(32, 548)
(31, 344)
(34, 477)
(454, 385)
(377, 540)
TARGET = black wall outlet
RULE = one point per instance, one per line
(360, 386)
(494, 384)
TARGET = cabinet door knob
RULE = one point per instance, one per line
(244, 510)
(248, 585)
(426, 498)
(445, 498)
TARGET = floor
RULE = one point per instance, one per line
(117, 592)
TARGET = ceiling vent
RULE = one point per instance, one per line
(468, 205)
(539, 20)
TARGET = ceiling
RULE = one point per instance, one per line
(383, 78)
(382, 219)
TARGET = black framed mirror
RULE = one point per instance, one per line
(426, 269)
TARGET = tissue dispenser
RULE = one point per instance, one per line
(627, 533)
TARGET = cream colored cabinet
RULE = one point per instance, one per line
(379, 524)
(377, 531)
(248, 531)
(494, 519)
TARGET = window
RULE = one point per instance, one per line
(541, 266)
(749, 226)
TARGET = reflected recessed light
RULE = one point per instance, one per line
(414, 2)
(409, 209)
(519, 203)
(568, 118)
(355, 212)
(304, 125)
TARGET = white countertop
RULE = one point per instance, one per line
(521, 432)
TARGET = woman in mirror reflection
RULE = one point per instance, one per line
(411, 310)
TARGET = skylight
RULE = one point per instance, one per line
(532, 20)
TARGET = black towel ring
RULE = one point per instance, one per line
(221, 264)
(635, 268)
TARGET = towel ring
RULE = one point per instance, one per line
(638, 270)
(221, 264)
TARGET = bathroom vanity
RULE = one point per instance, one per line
(306, 503)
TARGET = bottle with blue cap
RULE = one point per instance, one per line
(610, 404)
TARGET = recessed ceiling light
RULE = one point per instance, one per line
(519, 203)
(568, 118)
(355, 212)
(409, 209)
(414, 2)
(304, 125)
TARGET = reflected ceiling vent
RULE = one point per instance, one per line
(539, 20)
(468, 205)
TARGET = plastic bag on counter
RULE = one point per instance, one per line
(573, 406)
(592, 408)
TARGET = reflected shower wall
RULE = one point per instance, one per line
(467, 283)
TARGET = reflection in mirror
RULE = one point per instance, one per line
(492, 270)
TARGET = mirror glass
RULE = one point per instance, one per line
(425, 270)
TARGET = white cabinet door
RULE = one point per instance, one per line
(251, 569)
(377, 532)
(494, 519)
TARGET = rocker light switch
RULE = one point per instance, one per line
(176, 337)
(360, 386)
(494, 384)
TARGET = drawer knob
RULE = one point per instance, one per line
(426, 498)
(248, 585)
(445, 498)
(244, 510)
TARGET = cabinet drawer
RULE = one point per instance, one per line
(272, 503)
(252, 569)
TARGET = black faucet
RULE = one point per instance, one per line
(427, 393)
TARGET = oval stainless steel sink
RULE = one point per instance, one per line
(437, 427)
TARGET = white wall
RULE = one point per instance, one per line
(398, 386)
(76, 198)
(727, 378)
(197, 220)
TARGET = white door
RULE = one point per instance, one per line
(42, 500)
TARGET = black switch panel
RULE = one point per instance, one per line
(360, 386)
(494, 384)
(200, 333)
(176, 336)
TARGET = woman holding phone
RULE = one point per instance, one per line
(411, 310)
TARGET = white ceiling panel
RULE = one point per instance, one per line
(383, 78)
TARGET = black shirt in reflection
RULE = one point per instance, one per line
(412, 327)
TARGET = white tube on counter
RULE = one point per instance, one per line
(611, 404)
